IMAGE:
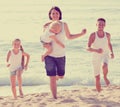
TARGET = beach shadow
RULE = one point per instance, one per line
(68, 101)
(94, 102)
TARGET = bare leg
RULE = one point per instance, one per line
(98, 85)
(13, 85)
(19, 77)
(105, 72)
(59, 77)
(53, 86)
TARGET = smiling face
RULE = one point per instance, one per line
(16, 44)
(100, 24)
(55, 14)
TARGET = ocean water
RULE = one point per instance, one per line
(24, 19)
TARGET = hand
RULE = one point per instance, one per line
(8, 65)
(83, 31)
(43, 58)
(99, 50)
(112, 55)
(25, 67)
(63, 46)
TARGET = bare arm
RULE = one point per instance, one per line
(57, 41)
(110, 45)
(27, 59)
(8, 57)
(73, 36)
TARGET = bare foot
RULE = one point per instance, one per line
(14, 98)
(21, 93)
(55, 97)
(107, 82)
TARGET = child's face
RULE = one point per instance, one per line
(56, 29)
(16, 44)
(100, 25)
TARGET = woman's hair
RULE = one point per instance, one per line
(57, 9)
(22, 60)
(21, 48)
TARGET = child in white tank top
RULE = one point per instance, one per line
(15, 63)
(99, 44)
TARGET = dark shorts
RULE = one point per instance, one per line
(55, 66)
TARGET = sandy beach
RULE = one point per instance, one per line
(72, 97)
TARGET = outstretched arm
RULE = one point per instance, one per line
(73, 36)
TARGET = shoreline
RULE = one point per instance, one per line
(72, 96)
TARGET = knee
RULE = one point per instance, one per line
(61, 77)
(13, 86)
(105, 66)
(97, 78)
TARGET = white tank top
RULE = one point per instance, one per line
(15, 60)
(58, 51)
(101, 43)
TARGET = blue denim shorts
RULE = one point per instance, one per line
(55, 66)
(16, 71)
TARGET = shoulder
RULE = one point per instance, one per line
(108, 35)
(92, 35)
(65, 25)
(10, 51)
(46, 24)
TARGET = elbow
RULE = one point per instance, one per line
(28, 56)
(69, 38)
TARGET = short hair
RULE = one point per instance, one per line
(57, 9)
(101, 19)
(17, 39)
(56, 25)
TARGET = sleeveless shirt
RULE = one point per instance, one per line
(59, 51)
(15, 60)
(101, 43)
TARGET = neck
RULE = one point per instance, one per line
(100, 33)
(15, 50)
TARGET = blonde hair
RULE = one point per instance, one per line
(15, 40)
(18, 40)
(55, 26)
